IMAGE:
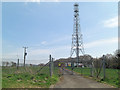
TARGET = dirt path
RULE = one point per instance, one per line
(76, 81)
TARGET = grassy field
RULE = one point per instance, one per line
(27, 77)
(111, 75)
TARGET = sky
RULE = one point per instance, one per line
(46, 28)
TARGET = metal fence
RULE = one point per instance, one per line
(31, 66)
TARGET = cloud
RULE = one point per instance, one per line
(39, 52)
(38, 1)
(33, 0)
(43, 42)
(33, 55)
(60, 40)
(56, 0)
(42, 0)
(58, 51)
(63, 0)
(111, 23)
(101, 42)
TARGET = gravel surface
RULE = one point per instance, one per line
(69, 80)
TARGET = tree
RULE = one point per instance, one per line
(98, 66)
(13, 64)
(117, 53)
(117, 58)
(108, 58)
(7, 63)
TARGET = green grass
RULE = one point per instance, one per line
(111, 75)
(27, 77)
(82, 71)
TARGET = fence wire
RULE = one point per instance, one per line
(32, 67)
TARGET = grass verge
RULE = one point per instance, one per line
(27, 78)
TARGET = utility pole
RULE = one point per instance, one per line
(77, 43)
(25, 54)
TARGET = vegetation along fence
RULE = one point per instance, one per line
(16, 75)
(103, 69)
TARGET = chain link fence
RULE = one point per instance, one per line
(31, 66)
(33, 74)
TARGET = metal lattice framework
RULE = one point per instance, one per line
(77, 42)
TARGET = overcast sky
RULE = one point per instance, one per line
(46, 28)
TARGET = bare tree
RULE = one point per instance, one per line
(13, 64)
(98, 66)
(7, 63)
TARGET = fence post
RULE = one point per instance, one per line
(118, 68)
(91, 67)
(18, 64)
(72, 65)
(52, 66)
(104, 66)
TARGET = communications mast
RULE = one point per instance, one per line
(77, 42)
